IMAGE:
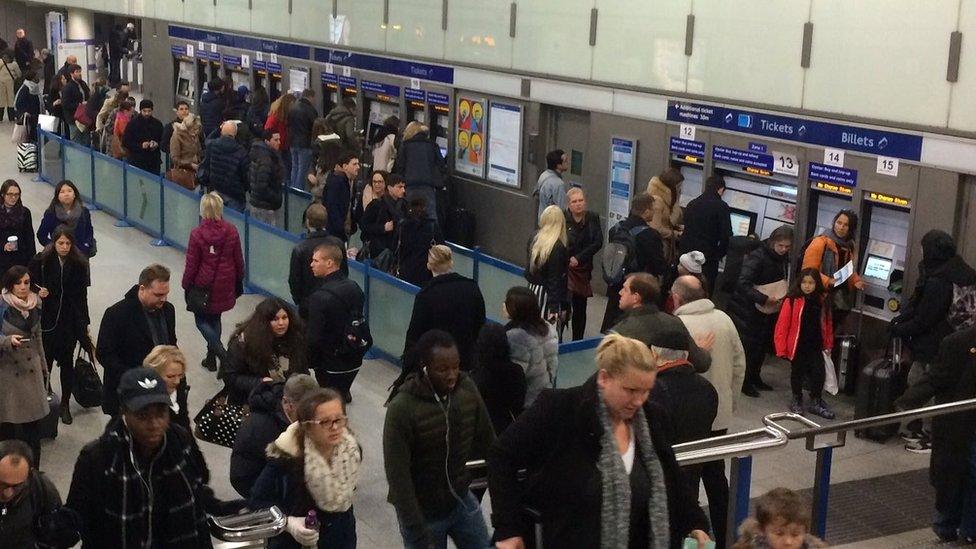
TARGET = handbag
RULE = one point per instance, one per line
(830, 374)
(198, 297)
(578, 280)
(87, 386)
(19, 134)
(219, 421)
(183, 177)
(81, 116)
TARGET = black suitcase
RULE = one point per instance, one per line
(49, 425)
(879, 384)
(460, 227)
(846, 358)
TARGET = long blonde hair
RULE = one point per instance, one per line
(413, 128)
(281, 105)
(552, 227)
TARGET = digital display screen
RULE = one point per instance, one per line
(877, 267)
(742, 222)
(183, 87)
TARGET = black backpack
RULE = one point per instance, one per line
(620, 253)
(356, 339)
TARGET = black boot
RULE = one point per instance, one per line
(210, 361)
(66, 410)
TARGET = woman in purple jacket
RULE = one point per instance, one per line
(215, 262)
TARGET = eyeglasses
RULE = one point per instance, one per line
(337, 423)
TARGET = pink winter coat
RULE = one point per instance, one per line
(215, 242)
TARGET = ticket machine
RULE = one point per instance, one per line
(236, 70)
(268, 75)
(380, 101)
(688, 155)
(885, 225)
(753, 187)
(439, 111)
(206, 71)
(183, 74)
(831, 190)
(330, 91)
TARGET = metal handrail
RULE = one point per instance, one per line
(253, 526)
(729, 446)
(885, 419)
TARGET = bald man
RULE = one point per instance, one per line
(225, 167)
(65, 69)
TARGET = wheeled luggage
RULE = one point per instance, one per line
(48, 427)
(460, 226)
(879, 384)
(27, 157)
(846, 357)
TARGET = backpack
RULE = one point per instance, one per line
(620, 253)
(962, 312)
(356, 338)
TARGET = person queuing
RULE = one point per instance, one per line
(75, 94)
(212, 105)
(146, 475)
(65, 69)
(181, 111)
(500, 381)
(23, 370)
(54, 104)
(215, 264)
(420, 163)
(301, 116)
(726, 374)
(277, 122)
(9, 73)
(225, 167)
(122, 118)
(753, 311)
(104, 124)
(23, 50)
(141, 139)
(48, 71)
(380, 219)
(337, 197)
(62, 274)
(265, 177)
(30, 502)
(548, 268)
(301, 282)
(169, 362)
(370, 193)
(603, 469)
(27, 104)
(435, 423)
(273, 407)
(416, 235)
(666, 189)
(131, 328)
(550, 189)
(268, 347)
(782, 520)
(313, 467)
(383, 144)
(332, 308)
(708, 228)
(16, 228)
(828, 253)
(99, 94)
(184, 150)
(532, 341)
(342, 120)
(584, 238)
(69, 211)
(804, 331)
(688, 264)
(258, 111)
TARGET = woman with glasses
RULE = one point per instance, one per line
(16, 228)
(313, 471)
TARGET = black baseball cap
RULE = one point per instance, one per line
(140, 387)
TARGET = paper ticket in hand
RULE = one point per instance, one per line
(844, 273)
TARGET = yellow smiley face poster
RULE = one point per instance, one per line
(469, 151)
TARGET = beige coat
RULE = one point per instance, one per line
(23, 396)
(667, 215)
(184, 146)
(7, 91)
(384, 153)
(728, 358)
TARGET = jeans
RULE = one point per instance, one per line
(301, 157)
(465, 525)
(209, 326)
(915, 373)
(271, 217)
(429, 195)
(955, 504)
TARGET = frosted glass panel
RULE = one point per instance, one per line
(658, 59)
(363, 24)
(554, 38)
(199, 12)
(168, 10)
(749, 50)
(310, 19)
(108, 185)
(267, 17)
(78, 169)
(477, 32)
(390, 307)
(142, 8)
(235, 15)
(268, 252)
(881, 59)
(182, 213)
(110, 6)
(143, 195)
(415, 28)
(962, 111)
(575, 368)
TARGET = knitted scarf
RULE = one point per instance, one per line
(828, 265)
(12, 218)
(70, 217)
(615, 511)
(332, 480)
(23, 305)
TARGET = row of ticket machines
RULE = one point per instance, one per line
(761, 202)
(376, 100)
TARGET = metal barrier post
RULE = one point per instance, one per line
(37, 156)
(123, 221)
(821, 491)
(64, 161)
(285, 200)
(162, 216)
(247, 254)
(92, 205)
(475, 261)
(740, 477)
(366, 275)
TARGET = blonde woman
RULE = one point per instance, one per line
(549, 265)
(420, 164)
(170, 363)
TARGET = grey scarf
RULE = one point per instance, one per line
(615, 511)
(66, 217)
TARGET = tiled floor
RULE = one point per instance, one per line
(123, 252)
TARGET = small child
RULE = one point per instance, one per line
(782, 522)
(803, 331)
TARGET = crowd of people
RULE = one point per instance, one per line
(670, 369)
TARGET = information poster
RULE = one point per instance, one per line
(297, 79)
(469, 147)
(623, 158)
(504, 143)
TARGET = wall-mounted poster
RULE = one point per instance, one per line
(623, 160)
(504, 143)
(469, 146)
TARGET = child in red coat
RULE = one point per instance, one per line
(803, 332)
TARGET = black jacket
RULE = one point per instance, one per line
(168, 130)
(266, 175)
(761, 266)
(243, 374)
(374, 220)
(26, 245)
(414, 239)
(584, 239)
(301, 117)
(262, 427)
(19, 528)
(301, 282)
(950, 378)
(211, 112)
(924, 321)
(23, 53)
(419, 162)
(552, 275)
(124, 340)
(96, 102)
(226, 165)
(502, 385)
(74, 93)
(139, 130)
(650, 247)
(708, 227)
(329, 310)
(64, 312)
(558, 441)
(337, 199)
(452, 303)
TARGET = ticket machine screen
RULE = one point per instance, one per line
(183, 87)
(877, 267)
(742, 223)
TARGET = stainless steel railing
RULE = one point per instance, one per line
(248, 530)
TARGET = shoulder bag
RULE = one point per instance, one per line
(87, 386)
(219, 421)
(198, 297)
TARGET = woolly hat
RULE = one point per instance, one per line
(692, 261)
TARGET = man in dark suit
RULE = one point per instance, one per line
(132, 327)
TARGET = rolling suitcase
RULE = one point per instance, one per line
(846, 359)
(878, 385)
(461, 227)
(49, 425)
(27, 157)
